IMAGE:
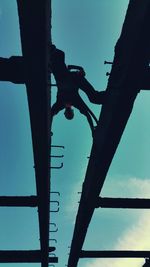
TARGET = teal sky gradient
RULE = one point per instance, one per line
(86, 31)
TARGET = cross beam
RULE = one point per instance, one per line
(115, 254)
(128, 203)
(24, 256)
(18, 201)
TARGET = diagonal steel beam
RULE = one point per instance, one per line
(131, 58)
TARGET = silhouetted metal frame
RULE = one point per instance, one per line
(35, 28)
(131, 57)
(18, 201)
(24, 256)
(126, 203)
(115, 254)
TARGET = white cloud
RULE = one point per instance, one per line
(116, 263)
(140, 186)
(137, 237)
(72, 207)
(74, 198)
(126, 187)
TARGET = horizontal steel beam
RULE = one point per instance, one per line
(128, 203)
(24, 256)
(18, 201)
(114, 254)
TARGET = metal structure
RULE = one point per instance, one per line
(35, 32)
(35, 38)
(131, 58)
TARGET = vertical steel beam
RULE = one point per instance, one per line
(35, 30)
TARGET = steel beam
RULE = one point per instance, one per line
(35, 31)
(23, 256)
(128, 203)
(114, 254)
(131, 58)
(18, 201)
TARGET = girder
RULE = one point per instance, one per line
(130, 60)
(35, 28)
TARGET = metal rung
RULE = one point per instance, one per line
(57, 167)
(108, 62)
(129, 203)
(57, 146)
(55, 156)
(18, 201)
(114, 254)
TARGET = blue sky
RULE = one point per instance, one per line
(87, 31)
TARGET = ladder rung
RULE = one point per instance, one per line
(129, 203)
(114, 254)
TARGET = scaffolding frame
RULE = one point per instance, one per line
(35, 32)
